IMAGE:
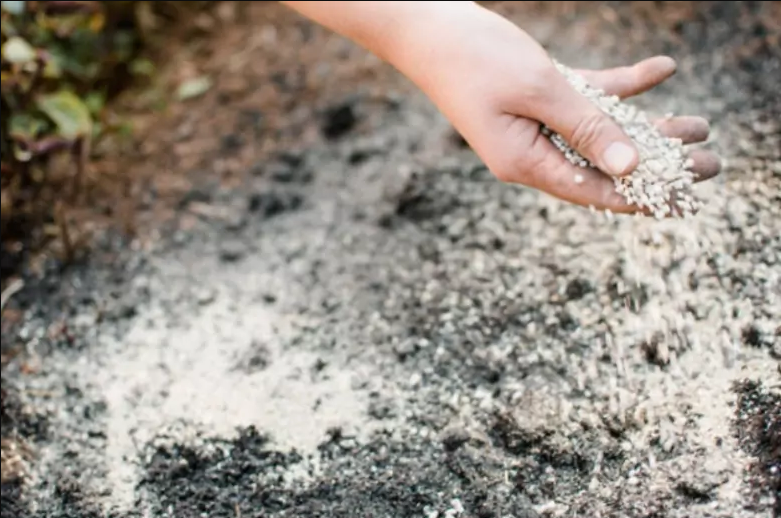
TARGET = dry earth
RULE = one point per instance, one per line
(342, 314)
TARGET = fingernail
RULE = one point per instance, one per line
(672, 65)
(618, 157)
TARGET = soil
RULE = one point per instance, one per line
(331, 309)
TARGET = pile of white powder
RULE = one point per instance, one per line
(663, 179)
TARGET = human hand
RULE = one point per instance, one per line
(496, 85)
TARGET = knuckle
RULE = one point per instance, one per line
(522, 166)
(587, 130)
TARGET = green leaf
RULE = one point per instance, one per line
(72, 60)
(24, 126)
(125, 129)
(95, 102)
(68, 112)
(8, 28)
(142, 67)
(17, 50)
(124, 42)
(13, 7)
(193, 88)
(52, 69)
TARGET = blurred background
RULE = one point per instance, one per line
(82, 82)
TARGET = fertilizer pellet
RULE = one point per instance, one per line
(662, 180)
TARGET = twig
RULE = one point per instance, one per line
(65, 235)
(80, 154)
(10, 291)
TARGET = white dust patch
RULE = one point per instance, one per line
(190, 380)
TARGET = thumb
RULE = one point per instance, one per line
(588, 129)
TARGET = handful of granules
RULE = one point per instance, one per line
(662, 181)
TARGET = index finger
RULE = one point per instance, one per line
(632, 80)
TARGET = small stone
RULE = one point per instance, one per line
(232, 251)
(292, 158)
(270, 204)
(205, 296)
(339, 120)
(381, 409)
(232, 142)
(235, 222)
(124, 309)
(578, 288)
(454, 437)
(284, 173)
(200, 194)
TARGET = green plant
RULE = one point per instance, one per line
(60, 62)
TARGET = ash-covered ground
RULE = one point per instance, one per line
(346, 315)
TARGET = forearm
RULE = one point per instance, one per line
(401, 33)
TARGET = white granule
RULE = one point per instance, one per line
(457, 506)
(663, 179)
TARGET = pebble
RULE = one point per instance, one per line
(232, 251)
(339, 120)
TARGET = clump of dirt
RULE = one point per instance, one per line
(22, 426)
(758, 428)
(10, 500)
(413, 476)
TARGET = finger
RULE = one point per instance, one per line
(549, 171)
(632, 80)
(587, 129)
(705, 164)
(553, 174)
(689, 129)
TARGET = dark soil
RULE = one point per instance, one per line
(758, 426)
(332, 309)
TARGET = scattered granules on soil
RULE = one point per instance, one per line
(758, 428)
(662, 181)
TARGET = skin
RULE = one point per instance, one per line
(496, 84)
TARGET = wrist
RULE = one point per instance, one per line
(427, 35)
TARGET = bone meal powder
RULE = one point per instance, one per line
(662, 182)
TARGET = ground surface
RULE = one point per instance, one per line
(342, 314)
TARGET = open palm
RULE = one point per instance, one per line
(543, 167)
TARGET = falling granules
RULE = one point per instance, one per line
(662, 181)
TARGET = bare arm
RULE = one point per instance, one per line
(496, 85)
(377, 26)
(401, 33)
